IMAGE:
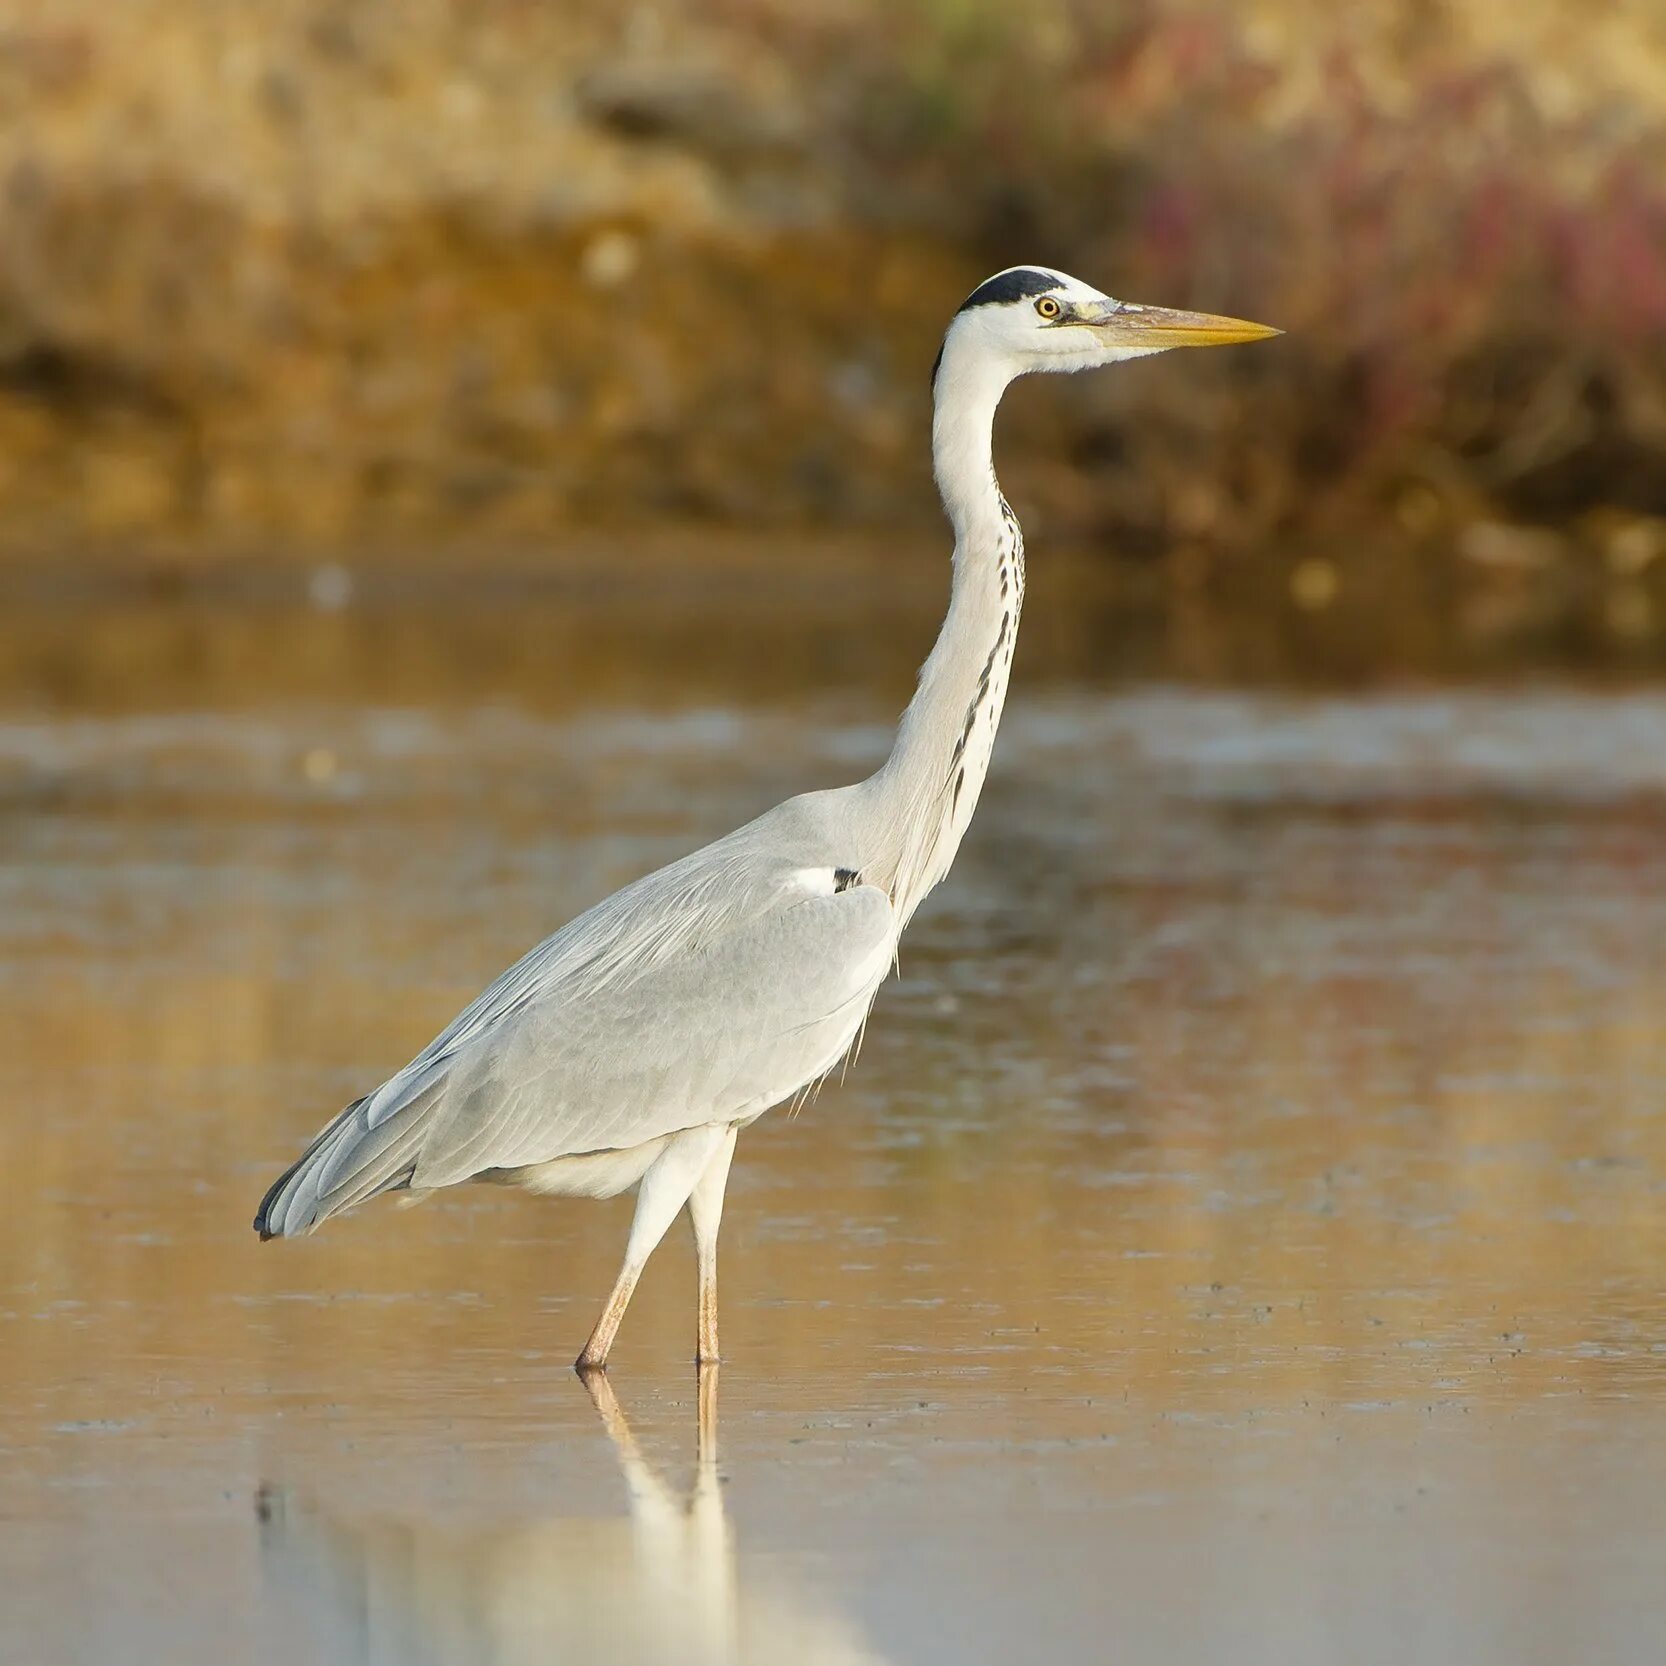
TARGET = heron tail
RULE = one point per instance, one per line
(351, 1160)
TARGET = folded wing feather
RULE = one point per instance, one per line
(707, 991)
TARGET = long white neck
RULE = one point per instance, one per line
(924, 795)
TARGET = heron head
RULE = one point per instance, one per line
(1031, 318)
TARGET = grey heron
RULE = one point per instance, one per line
(630, 1048)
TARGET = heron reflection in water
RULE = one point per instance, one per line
(664, 1584)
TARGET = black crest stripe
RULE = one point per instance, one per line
(1015, 285)
(1010, 286)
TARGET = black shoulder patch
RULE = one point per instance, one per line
(1010, 286)
(937, 364)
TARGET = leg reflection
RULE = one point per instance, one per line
(685, 1554)
(662, 1583)
(618, 1428)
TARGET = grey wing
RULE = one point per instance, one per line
(719, 1032)
(707, 992)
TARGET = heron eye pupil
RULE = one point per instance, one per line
(1047, 307)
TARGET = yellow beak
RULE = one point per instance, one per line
(1139, 326)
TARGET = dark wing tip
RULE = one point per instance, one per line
(263, 1215)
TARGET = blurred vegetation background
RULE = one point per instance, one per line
(306, 277)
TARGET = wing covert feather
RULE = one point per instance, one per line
(705, 992)
(735, 1023)
(709, 1001)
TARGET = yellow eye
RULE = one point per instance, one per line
(1047, 307)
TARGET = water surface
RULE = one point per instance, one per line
(1241, 1237)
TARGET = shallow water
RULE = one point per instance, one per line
(1242, 1234)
